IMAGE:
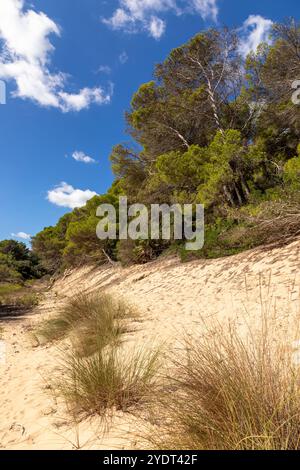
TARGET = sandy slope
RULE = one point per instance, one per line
(174, 299)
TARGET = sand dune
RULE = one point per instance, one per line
(174, 299)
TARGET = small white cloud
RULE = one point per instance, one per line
(25, 58)
(83, 99)
(206, 8)
(65, 195)
(255, 30)
(21, 235)
(104, 69)
(134, 16)
(120, 20)
(157, 27)
(123, 58)
(82, 157)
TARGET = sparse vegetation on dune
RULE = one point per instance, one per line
(97, 376)
(233, 388)
(227, 390)
(91, 320)
(233, 393)
(27, 300)
(8, 289)
(14, 295)
(108, 381)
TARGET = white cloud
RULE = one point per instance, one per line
(157, 27)
(206, 8)
(123, 58)
(104, 69)
(83, 99)
(82, 157)
(65, 195)
(120, 20)
(255, 30)
(21, 235)
(141, 15)
(25, 58)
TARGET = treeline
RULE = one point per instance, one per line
(212, 128)
(18, 264)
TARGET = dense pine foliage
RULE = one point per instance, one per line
(211, 128)
(18, 263)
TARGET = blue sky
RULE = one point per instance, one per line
(70, 68)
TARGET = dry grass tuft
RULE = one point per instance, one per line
(98, 376)
(233, 393)
(108, 381)
(91, 320)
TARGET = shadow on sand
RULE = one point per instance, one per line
(12, 312)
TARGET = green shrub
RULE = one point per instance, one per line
(292, 173)
(17, 296)
(27, 300)
(7, 289)
(140, 251)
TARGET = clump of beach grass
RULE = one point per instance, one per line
(233, 392)
(99, 376)
(91, 320)
(108, 381)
